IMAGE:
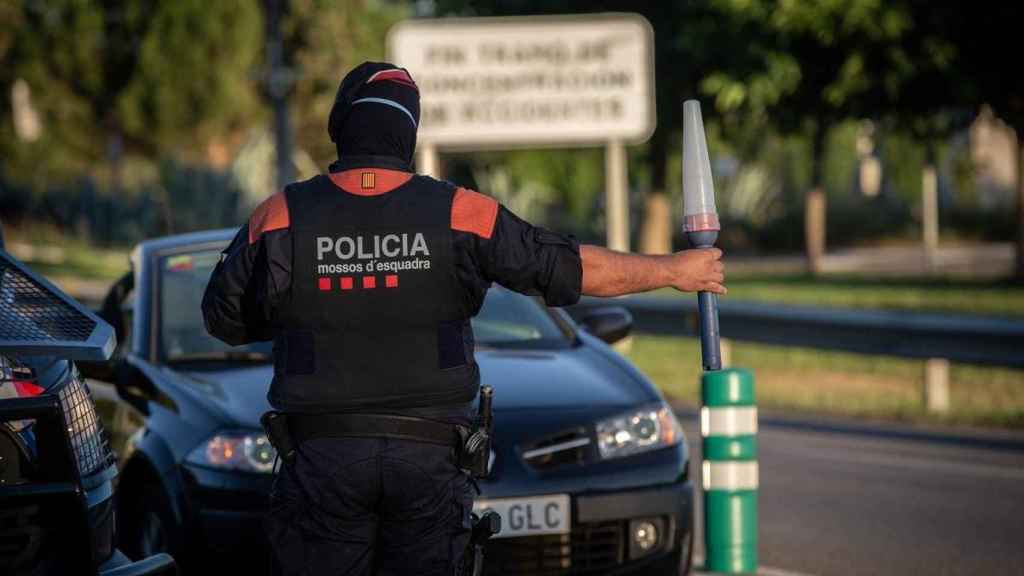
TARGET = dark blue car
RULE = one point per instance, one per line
(590, 470)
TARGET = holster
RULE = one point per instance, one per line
(275, 424)
(483, 528)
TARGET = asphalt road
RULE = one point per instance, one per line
(853, 499)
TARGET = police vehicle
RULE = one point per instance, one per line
(589, 470)
(57, 469)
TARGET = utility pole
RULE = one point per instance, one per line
(279, 80)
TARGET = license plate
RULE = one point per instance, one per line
(530, 516)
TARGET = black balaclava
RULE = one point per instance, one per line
(376, 112)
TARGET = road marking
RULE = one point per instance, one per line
(698, 561)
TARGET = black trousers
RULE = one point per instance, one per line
(369, 506)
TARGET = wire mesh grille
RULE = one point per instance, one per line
(31, 312)
(88, 438)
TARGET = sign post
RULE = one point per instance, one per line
(427, 160)
(728, 416)
(528, 82)
(616, 196)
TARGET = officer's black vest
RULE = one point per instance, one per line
(376, 316)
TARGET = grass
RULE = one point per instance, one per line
(873, 387)
(57, 255)
(1001, 298)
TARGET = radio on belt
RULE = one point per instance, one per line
(476, 450)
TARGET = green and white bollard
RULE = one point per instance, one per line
(728, 419)
(728, 425)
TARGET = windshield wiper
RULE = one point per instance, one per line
(223, 355)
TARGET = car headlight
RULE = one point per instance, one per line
(636, 431)
(236, 450)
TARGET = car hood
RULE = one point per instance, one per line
(576, 377)
(558, 379)
(240, 393)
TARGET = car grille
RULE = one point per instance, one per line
(569, 447)
(592, 548)
(88, 438)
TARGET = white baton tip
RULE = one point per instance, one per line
(698, 186)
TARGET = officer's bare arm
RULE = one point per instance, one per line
(610, 273)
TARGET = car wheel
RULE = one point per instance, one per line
(146, 524)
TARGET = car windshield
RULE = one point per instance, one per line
(507, 319)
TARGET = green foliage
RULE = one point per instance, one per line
(182, 198)
(326, 39)
(120, 85)
(134, 76)
(557, 188)
(903, 157)
(195, 79)
(823, 60)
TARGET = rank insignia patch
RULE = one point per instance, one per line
(369, 180)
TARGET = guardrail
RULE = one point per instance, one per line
(937, 338)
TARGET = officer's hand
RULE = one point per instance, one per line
(698, 270)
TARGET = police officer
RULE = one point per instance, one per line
(366, 279)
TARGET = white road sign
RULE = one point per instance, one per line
(500, 82)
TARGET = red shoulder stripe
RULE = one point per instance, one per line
(473, 212)
(271, 214)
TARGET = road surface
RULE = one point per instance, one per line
(838, 499)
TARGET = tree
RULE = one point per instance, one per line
(324, 39)
(821, 62)
(983, 34)
(958, 64)
(921, 102)
(141, 76)
(691, 40)
(194, 80)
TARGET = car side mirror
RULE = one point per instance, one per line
(609, 323)
(103, 371)
(112, 311)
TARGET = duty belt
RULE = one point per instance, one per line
(472, 445)
(304, 427)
